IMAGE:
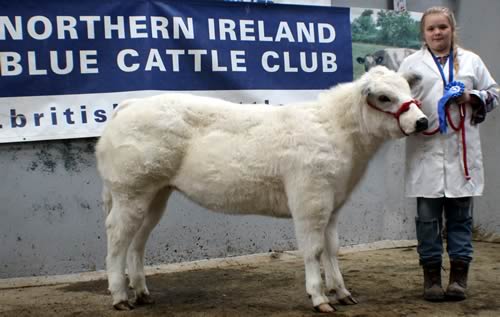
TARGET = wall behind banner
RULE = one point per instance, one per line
(52, 221)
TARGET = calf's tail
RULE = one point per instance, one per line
(107, 200)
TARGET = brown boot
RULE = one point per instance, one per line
(433, 291)
(458, 280)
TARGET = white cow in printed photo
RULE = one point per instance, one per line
(299, 160)
(388, 57)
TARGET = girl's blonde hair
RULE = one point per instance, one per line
(453, 23)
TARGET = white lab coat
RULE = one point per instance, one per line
(434, 164)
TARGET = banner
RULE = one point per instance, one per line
(65, 65)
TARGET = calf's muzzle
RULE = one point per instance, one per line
(421, 125)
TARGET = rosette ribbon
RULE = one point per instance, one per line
(452, 91)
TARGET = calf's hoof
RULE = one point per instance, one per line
(344, 298)
(348, 300)
(123, 305)
(324, 308)
(144, 299)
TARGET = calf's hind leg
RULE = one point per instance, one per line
(135, 257)
(124, 220)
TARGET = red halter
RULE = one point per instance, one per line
(405, 106)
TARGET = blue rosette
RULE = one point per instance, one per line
(451, 91)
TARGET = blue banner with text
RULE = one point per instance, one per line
(59, 47)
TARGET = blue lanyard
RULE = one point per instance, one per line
(450, 67)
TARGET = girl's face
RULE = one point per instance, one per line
(438, 33)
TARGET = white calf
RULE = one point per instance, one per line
(298, 161)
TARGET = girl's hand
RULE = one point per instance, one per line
(464, 98)
(467, 98)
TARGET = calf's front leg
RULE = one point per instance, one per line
(310, 220)
(333, 277)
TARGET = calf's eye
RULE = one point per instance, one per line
(383, 98)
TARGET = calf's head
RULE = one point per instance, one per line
(390, 109)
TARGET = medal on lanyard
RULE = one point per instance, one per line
(452, 90)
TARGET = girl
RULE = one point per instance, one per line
(444, 165)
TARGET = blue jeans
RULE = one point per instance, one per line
(429, 220)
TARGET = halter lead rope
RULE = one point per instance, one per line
(457, 128)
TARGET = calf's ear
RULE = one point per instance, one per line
(365, 90)
(412, 78)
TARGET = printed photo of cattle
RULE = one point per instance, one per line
(382, 37)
